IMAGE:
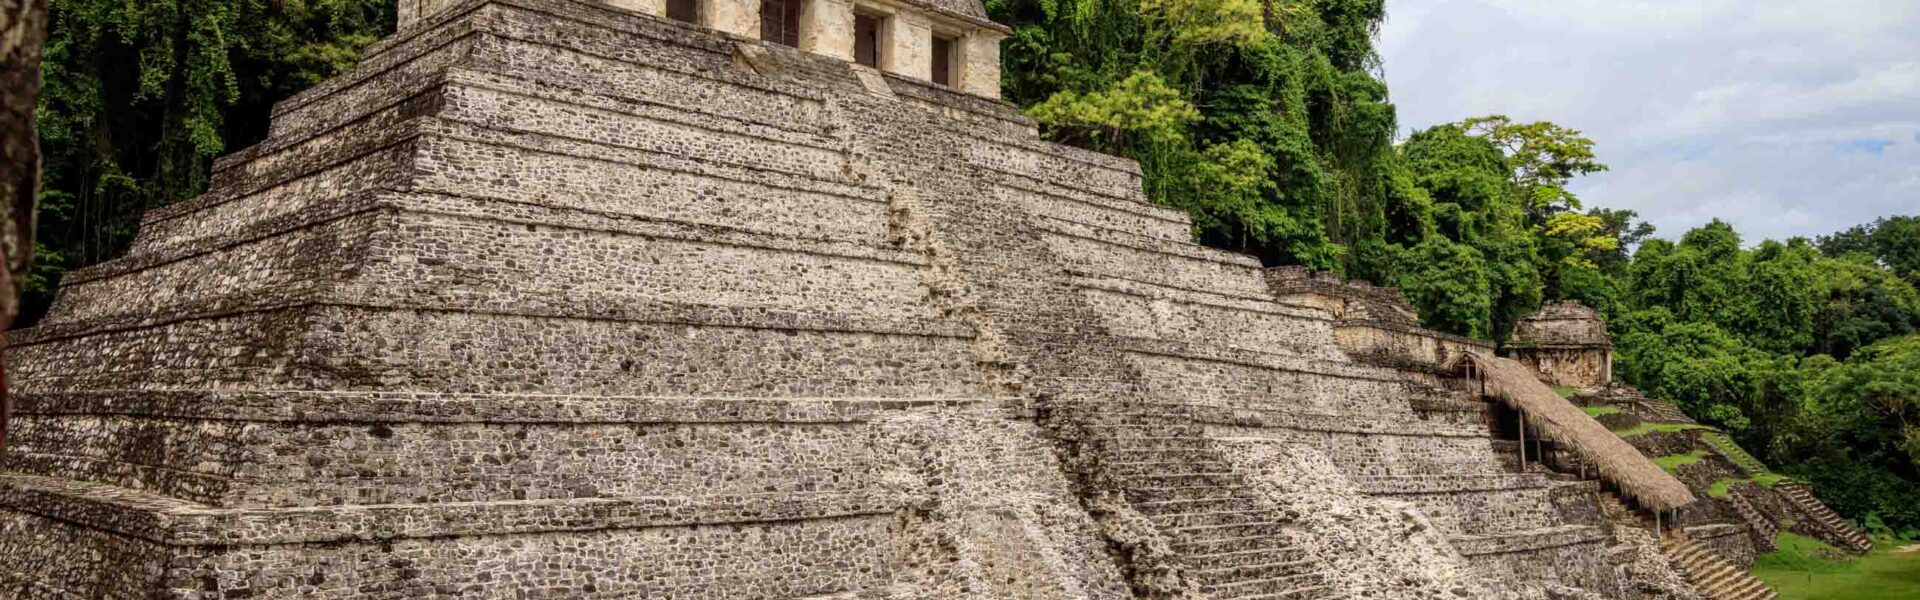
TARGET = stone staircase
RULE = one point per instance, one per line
(1712, 576)
(1228, 540)
(1842, 533)
(1725, 445)
(1763, 530)
(1665, 412)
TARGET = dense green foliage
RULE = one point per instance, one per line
(1807, 357)
(141, 96)
(1267, 123)
(1264, 119)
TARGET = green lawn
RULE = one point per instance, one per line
(1604, 409)
(1566, 392)
(1646, 428)
(1724, 485)
(1672, 462)
(1798, 574)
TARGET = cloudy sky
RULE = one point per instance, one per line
(1784, 117)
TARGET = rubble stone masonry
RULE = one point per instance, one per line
(562, 299)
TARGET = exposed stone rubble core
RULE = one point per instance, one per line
(1566, 343)
(552, 298)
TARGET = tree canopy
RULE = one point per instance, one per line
(141, 96)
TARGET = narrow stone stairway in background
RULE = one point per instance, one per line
(1802, 497)
(1666, 412)
(1763, 529)
(1725, 445)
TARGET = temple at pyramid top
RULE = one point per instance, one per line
(947, 42)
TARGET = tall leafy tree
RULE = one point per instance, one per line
(23, 27)
(1892, 241)
(141, 96)
(1265, 120)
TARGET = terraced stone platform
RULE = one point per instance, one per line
(552, 298)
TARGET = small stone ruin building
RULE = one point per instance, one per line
(1566, 343)
(755, 300)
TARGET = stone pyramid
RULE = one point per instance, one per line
(560, 299)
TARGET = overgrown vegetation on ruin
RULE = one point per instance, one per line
(1267, 121)
(1270, 124)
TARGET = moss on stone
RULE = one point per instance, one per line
(1646, 428)
(1673, 462)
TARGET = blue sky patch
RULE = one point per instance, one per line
(1689, 151)
(1783, 117)
(1867, 146)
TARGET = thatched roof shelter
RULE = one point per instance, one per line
(1553, 417)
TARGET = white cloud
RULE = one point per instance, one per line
(1783, 117)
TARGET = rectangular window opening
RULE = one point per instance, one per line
(866, 39)
(685, 11)
(943, 60)
(780, 22)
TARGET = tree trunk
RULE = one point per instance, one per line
(23, 31)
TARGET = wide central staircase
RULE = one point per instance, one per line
(1226, 538)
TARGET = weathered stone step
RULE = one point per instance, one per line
(1193, 519)
(1160, 442)
(1181, 479)
(1168, 467)
(1200, 533)
(1241, 558)
(1711, 575)
(1301, 593)
(1222, 545)
(1271, 584)
(1261, 570)
(1151, 437)
(1178, 492)
(1158, 262)
(1740, 587)
(1194, 454)
(1215, 504)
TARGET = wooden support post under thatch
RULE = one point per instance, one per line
(1523, 441)
(1613, 458)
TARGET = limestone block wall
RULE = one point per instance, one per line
(980, 64)
(1586, 368)
(412, 11)
(1402, 347)
(47, 558)
(908, 42)
(1484, 506)
(826, 28)
(1729, 540)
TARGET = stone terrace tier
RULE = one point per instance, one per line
(552, 298)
